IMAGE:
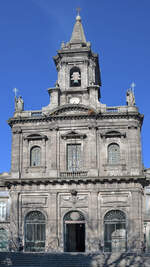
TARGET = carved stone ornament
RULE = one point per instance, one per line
(111, 134)
(53, 126)
(73, 192)
(35, 137)
(73, 135)
(92, 125)
(16, 130)
(79, 109)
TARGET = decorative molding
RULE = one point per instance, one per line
(16, 130)
(112, 134)
(81, 180)
(73, 135)
(78, 109)
(93, 125)
(35, 136)
(132, 127)
(35, 169)
(53, 116)
(54, 127)
(73, 192)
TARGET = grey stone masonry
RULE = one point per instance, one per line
(87, 159)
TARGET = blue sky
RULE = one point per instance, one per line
(31, 31)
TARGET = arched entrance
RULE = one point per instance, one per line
(115, 236)
(35, 231)
(74, 232)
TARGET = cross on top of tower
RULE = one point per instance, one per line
(15, 90)
(133, 85)
(78, 11)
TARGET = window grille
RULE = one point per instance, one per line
(35, 231)
(115, 236)
(3, 211)
(113, 154)
(73, 157)
(3, 240)
(115, 215)
(35, 156)
(74, 216)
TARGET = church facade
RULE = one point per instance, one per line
(77, 182)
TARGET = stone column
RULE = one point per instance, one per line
(53, 153)
(52, 237)
(14, 220)
(93, 171)
(93, 238)
(15, 156)
(135, 221)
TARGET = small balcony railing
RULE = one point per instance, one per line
(75, 174)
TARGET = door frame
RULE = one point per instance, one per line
(64, 234)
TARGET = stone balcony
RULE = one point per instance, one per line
(76, 174)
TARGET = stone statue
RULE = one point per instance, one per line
(56, 84)
(130, 98)
(19, 104)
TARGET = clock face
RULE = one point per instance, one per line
(74, 100)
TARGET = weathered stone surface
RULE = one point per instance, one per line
(97, 186)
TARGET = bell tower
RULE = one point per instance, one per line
(78, 72)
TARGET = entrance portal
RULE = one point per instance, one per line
(74, 232)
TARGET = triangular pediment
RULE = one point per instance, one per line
(72, 109)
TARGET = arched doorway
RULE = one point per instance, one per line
(35, 231)
(74, 232)
(115, 236)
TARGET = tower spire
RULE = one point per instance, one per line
(78, 35)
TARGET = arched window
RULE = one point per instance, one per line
(35, 156)
(75, 77)
(113, 154)
(115, 237)
(3, 240)
(35, 231)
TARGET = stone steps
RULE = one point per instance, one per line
(73, 260)
(44, 260)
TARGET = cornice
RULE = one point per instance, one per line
(84, 180)
(89, 115)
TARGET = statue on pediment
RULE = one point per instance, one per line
(130, 98)
(19, 104)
